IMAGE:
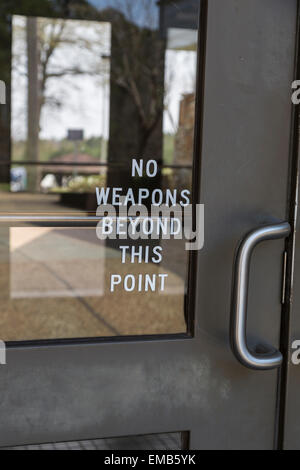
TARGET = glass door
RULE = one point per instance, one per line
(116, 322)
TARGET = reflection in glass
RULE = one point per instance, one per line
(47, 262)
(91, 86)
(59, 287)
(60, 84)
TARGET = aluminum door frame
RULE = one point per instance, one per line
(289, 422)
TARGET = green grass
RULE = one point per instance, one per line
(4, 187)
(168, 152)
(49, 149)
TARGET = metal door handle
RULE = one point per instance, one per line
(238, 334)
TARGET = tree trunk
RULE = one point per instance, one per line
(33, 114)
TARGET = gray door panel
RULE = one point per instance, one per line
(243, 185)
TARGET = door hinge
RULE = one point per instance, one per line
(284, 266)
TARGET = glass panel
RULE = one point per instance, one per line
(91, 88)
(59, 287)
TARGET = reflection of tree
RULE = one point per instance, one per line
(33, 101)
(138, 71)
(48, 39)
(137, 67)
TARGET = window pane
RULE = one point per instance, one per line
(91, 89)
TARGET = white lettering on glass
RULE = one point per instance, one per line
(170, 216)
